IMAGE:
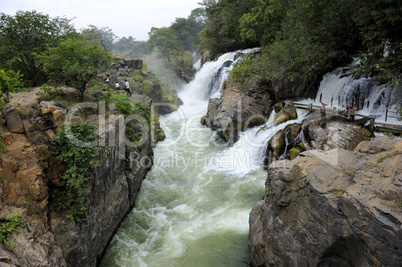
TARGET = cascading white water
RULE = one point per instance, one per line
(194, 205)
(343, 88)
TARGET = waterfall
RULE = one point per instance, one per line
(221, 73)
(194, 205)
(345, 90)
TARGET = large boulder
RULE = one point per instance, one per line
(236, 111)
(284, 111)
(334, 208)
(12, 119)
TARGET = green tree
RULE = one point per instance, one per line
(25, 36)
(166, 42)
(10, 82)
(132, 48)
(263, 21)
(222, 32)
(188, 29)
(380, 24)
(74, 63)
(100, 36)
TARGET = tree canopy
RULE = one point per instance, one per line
(301, 37)
(132, 48)
(167, 43)
(25, 36)
(75, 62)
(103, 37)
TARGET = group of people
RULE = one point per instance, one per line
(126, 87)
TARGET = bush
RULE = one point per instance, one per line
(80, 159)
(146, 88)
(9, 226)
(10, 82)
(125, 105)
(49, 93)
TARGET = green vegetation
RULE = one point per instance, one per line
(127, 46)
(103, 37)
(125, 105)
(146, 87)
(76, 148)
(304, 38)
(24, 37)
(382, 158)
(168, 44)
(75, 63)
(2, 145)
(10, 82)
(351, 174)
(10, 225)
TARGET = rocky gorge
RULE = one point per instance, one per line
(30, 171)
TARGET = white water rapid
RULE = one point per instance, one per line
(194, 205)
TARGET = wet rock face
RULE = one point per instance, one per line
(333, 208)
(236, 111)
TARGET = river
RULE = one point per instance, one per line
(194, 205)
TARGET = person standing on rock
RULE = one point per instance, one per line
(128, 88)
(117, 85)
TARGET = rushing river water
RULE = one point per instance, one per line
(194, 205)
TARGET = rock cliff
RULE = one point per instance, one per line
(29, 172)
(236, 110)
(333, 208)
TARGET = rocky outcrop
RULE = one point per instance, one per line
(206, 56)
(117, 181)
(333, 208)
(11, 119)
(136, 64)
(316, 132)
(284, 111)
(236, 110)
(29, 172)
(184, 68)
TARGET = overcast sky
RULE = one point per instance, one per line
(125, 17)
